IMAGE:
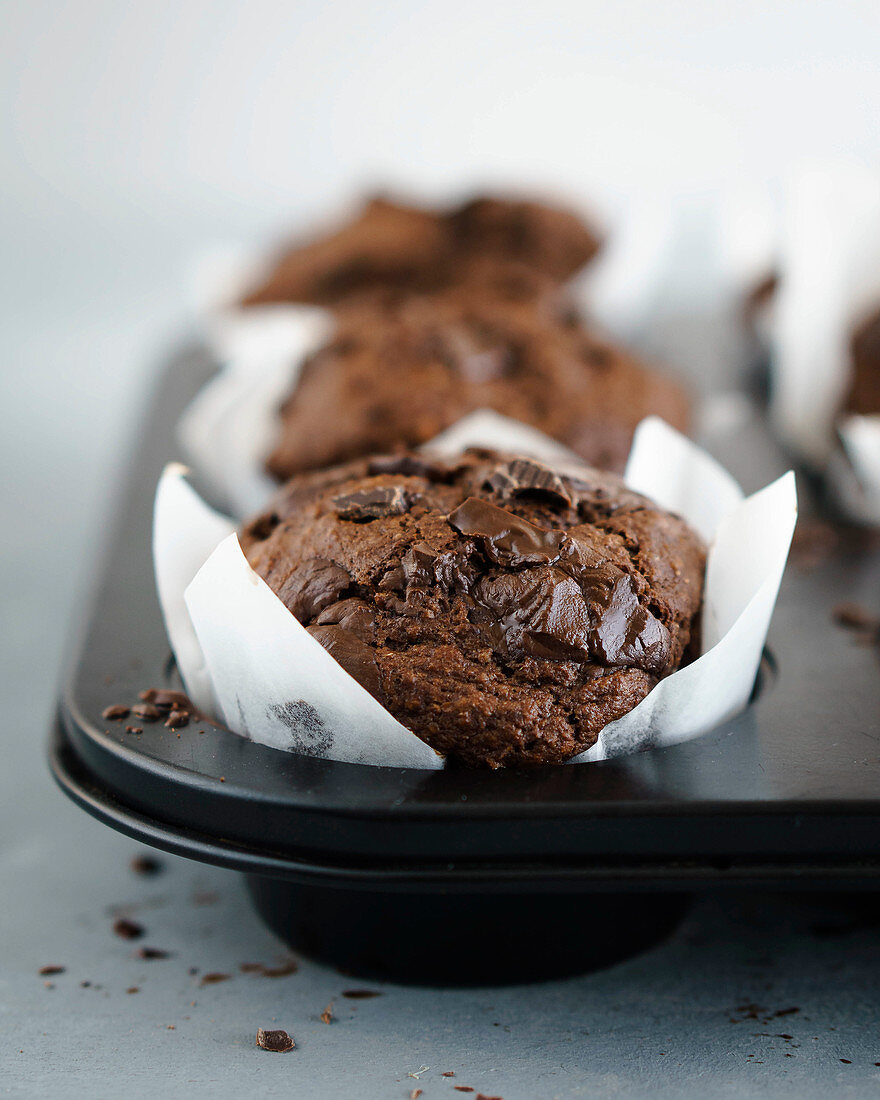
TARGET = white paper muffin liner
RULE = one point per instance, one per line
(245, 659)
(829, 262)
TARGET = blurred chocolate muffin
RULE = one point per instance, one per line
(393, 245)
(864, 392)
(394, 377)
(502, 610)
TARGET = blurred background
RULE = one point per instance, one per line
(134, 134)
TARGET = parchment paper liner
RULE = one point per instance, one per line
(244, 657)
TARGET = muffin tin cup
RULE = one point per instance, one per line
(337, 854)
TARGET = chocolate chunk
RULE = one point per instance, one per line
(311, 586)
(353, 615)
(355, 656)
(523, 477)
(279, 1042)
(505, 539)
(541, 612)
(623, 633)
(413, 465)
(326, 1016)
(146, 712)
(366, 504)
(168, 700)
(115, 713)
(127, 929)
(177, 719)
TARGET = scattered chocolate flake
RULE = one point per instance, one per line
(145, 865)
(177, 719)
(360, 994)
(852, 616)
(214, 978)
(115, 713)
(279, 1042)
(448, 1073)
(415, 1094)
(151, 953)
(326, 1016)
(282, 971)
(367, 504)
(146, 712)
(846, 1061)
(133, 989)
(45, 971)
(127, 929)
(134, 729)
(170, 1027)
(483, 1096)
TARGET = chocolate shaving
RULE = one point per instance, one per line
(367, 504)
(278, 1042)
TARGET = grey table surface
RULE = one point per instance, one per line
(751, 996)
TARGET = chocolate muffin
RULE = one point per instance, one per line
(393, 245)
(502, 610)
(393, 377)
(864, 392)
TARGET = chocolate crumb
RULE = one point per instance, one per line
(360, 994)
(279, 1042)
(145, 865)
(127, 929)
(282, 971)
(134, 729)
(214, 978)
(846, 1061)
(326, 1016)
(151, 953)
(45, 971)
(448, 1073)
(133, 989)
(115, 713)
(853, 616)
(177, 719)
(483, 1096)
(415, 1094)
(146, 712)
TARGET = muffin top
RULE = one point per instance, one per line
(864, 393)
(393, 245)
(399, 371)
(502, 610)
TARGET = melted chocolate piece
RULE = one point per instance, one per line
(366, 504)
(540, 613)
(504, 538)
(278, 1041)
(355, 656)
(313, 585)
(353, 615)
(624, 634)
(523, 477)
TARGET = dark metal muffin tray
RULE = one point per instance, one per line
(442, 875)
